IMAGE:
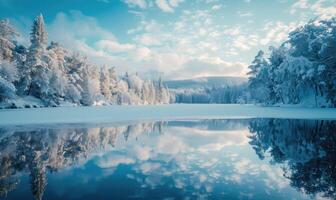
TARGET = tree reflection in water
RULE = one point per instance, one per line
(307, 148)
(36, 151)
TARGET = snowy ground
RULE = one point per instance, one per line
(113, 114)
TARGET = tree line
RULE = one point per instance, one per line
(229, 94)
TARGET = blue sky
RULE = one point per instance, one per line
(174, 38)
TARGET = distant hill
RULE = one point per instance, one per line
(205, 82)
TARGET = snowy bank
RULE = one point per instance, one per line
(113, 114)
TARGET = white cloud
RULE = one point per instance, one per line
(113, 46)
(244, 14)
(189, 47)
(76, 26)
(275, 179)
(241, 43)
(164, 5)
(206, 67)
(141, 54)
(324, 9)
(170, 145)
(74, 30)
(277, 32)
(232, 31)
(149, 167)
(245, 42)
(137, 13)
(301, 4)
(137, 3)
(216, 7)
(149, 40)
(175, 3)
(114, 161)
(142, 153)
(210, 1)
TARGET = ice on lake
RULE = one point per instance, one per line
(179, 159)
(109, 114)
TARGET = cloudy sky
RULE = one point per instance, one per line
(174, 38)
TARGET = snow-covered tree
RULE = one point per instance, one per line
(59, 56)
(90, 85)
(7, 36)
(8, 68)
(35, 66)
(113, 85)
(57, 65)
(148, 94)
(38, 35)
(73, 94)
(300, 71)
(75, 67)
(8, 75)
(8, 71)
(162, 92)
(105, 82)
(7, 89)
(258, 75)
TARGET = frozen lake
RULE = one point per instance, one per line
(179, 159)
(112, 114)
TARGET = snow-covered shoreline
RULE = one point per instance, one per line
(115, 114)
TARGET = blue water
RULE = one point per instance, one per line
(200, 159)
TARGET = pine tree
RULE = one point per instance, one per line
(35, 58)
(105, 82)
(91, 86)
(38, 35)
(161, 93)
(57, 65)
(7, 90)
(258, 62)
(87, 96)
(7, 36)
(113, 85)
(59, 56)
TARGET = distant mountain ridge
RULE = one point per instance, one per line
(206, 82)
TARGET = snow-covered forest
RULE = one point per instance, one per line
(45, 74)
(217, 95)
(300, 71)
(219, 90)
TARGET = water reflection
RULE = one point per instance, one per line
(200, 159)
(307, 148)
(37, 151)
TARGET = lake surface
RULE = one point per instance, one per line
(194, 159)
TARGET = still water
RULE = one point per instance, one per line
(197, 159)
